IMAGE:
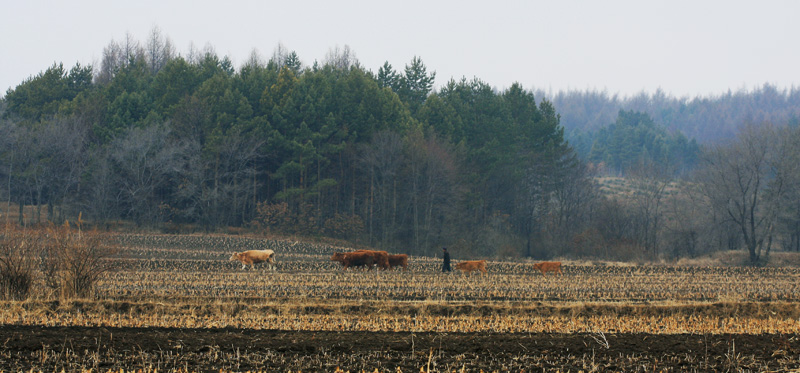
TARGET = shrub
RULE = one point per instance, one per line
(74, 261)
(272, 217)
(301, 218)
(18, 259)
(344, 226)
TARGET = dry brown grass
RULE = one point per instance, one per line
(387, 316)
(741, 258)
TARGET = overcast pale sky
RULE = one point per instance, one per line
(686, 48)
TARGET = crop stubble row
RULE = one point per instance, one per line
(196, 271)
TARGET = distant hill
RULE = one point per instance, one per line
(705, 119)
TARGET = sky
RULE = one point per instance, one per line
(684, 48)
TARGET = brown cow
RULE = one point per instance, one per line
(548, 267)
(381, 257)
(472, 265)
(253, 257)
(398, 260)
(354, 259)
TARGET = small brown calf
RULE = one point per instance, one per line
(472, 265)
(548, 267)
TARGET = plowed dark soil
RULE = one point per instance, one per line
(102, 349)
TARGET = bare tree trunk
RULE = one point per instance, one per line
(21, 213)
(8, 202)
(370, 204)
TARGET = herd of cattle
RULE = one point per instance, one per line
(381, 259)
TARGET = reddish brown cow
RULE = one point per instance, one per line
(381, 257)
(472, 265)
(354, 259)
(398, 260)
(548, 267)
(253, 257)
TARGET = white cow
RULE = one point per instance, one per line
(253, 257)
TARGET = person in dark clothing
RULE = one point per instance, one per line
(446, 262)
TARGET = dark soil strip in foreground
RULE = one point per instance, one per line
(102, 349)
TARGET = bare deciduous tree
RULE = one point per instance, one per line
(110, 63)
(745, 181)
(789, 215)
(382, 159)
(142, 162)
(7, 140)
(159, 50)
(232, 187)
(60, 149)
(686, 228)
(117, 55)
(432, 167)
(341, 58)
(279, 55)
(255, 60)
(650, 184)
(131, 50)
(572, 201)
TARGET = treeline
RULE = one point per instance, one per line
(706, 119)
(161, 139)
(334, 149)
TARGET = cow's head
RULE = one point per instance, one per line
(235, 256)
(337, 257)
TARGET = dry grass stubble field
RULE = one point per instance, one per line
(176, 302)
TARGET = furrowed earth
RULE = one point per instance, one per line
(165, 349)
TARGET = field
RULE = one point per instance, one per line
(177, 304)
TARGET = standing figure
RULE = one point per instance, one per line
(446, 262)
